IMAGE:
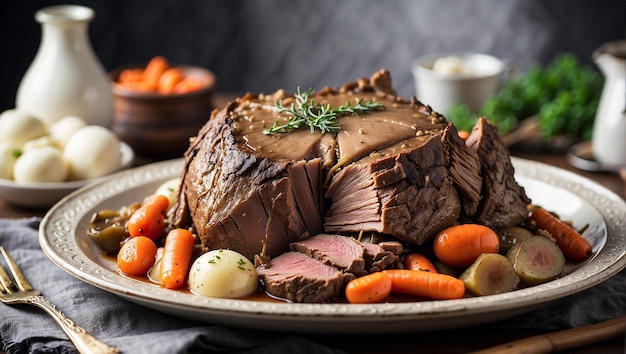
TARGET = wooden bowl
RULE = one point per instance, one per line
(157, 125)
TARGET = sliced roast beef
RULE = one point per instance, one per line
(404, 190)
(377, 258)
(504, 202)
(340, 251)
(299, 278)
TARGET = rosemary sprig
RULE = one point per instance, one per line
(305, 112)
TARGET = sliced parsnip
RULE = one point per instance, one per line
(536, 260)
(490, 274)
(509, 236)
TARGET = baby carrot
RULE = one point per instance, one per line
(149, 219)
(146, 221)
(371, 288)
(418, 261)
(187, 84)
(155, 68)
(177, 252)
(130, 75)
(139, 86)
(425, 284)
(168, 80)
(159, 201)
(136, 256)
(460, 245)
(573, 244)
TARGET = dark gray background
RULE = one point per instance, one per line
(263, 45)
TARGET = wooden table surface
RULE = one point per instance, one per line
(448, 341)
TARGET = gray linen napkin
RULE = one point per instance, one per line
(136, 329)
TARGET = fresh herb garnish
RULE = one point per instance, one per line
(305, 112)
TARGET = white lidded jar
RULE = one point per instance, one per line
(66, 78)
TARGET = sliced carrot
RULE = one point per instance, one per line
(187, 84)
(371, 288)
(460, 245)
(418, 261)
(130, 75)
(136, 256)
(155, 68)
(176, 259)
(425, 284)
(169, 79)
(574, 246)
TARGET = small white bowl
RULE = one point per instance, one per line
(442, 91)
(44, 195)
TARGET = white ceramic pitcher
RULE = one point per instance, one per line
(65, 77)
(609, 131)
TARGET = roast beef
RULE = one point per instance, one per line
(401, 171)
(342, 252)
(504, 202)
(296, 277)
(328, 261)
(377, 258)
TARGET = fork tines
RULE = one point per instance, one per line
(20, 280)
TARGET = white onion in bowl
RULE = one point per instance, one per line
(44, 164)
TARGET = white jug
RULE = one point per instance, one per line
(65, 77)
(609, 130)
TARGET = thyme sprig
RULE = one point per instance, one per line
(305, 112)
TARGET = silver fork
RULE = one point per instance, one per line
(21, 292)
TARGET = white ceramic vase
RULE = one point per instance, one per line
(65, 77)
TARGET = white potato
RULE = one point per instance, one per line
(8, 155)
(93, 151)
(224, 274)
(63, 129)
(18, 127)
(45, 164)
(169, 189)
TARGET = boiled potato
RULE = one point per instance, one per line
(92, 151)
(62, 130)
(18, 127)
(169, 189)
(224, 274)
(8, 154)
(45, 164)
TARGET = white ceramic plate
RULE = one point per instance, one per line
(44, 195)
(62, 237)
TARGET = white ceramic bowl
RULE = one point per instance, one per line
(44, 195)
(442, 91)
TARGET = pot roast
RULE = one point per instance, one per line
(401, 171)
